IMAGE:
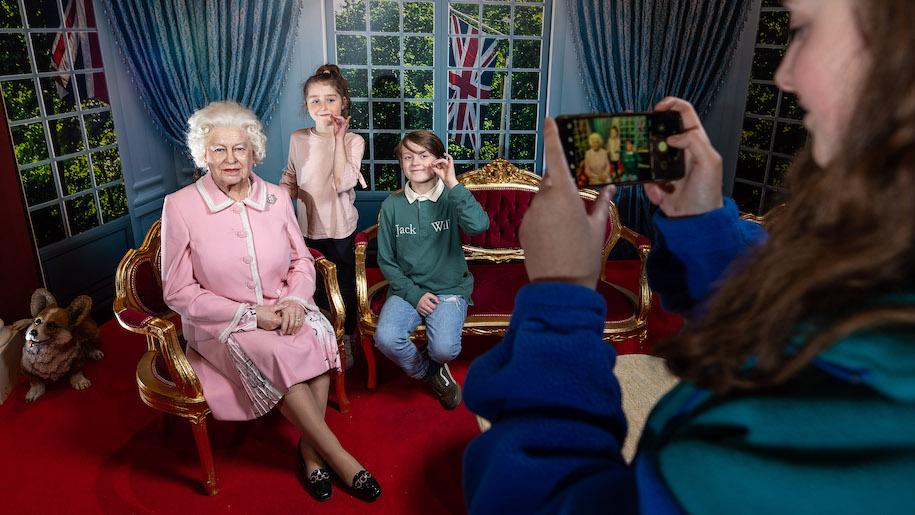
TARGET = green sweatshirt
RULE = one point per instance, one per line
(419, 245)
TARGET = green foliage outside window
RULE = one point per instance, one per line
(38, 184)
(418, 17)
(14, 57)
(772, 129)
(387, 50)
(74, 175)
(9, 14)
(29, 143)
(69, 187)
(22, 103)
(82, 214)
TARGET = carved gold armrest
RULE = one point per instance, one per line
(642, 246)
(328, 271)
(162, 337)
(767, 219)
(182, 374)
(362, 297)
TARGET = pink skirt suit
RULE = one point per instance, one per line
(222, 257)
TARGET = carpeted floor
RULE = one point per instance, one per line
(101, 450)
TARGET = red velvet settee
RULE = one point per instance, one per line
(496, 259)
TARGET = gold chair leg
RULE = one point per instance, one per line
(371, 384)
(210, 483)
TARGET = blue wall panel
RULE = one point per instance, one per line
(86, 264)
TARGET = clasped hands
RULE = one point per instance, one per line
(287, 316)
(563, 242)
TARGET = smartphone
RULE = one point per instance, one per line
(621, 148)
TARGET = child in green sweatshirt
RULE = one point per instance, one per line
(420, 255)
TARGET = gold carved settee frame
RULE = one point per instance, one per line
(501, 175)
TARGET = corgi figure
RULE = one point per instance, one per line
(56, 341)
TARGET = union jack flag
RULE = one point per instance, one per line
(469, 49)
(81, 54)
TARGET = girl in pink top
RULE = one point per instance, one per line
(322, 173)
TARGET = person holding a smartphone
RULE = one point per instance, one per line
(797, 360)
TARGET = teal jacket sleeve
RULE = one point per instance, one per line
(400, 284)
(472, 218)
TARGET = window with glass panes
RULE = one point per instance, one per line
(53, 84)
(473, 72)
(772, 129)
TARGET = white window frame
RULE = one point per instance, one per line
(440, 97)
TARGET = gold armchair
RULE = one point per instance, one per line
(495, 259)
(165, 379)
(767, 219)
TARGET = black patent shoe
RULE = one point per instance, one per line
(318, 485)
(365, 487)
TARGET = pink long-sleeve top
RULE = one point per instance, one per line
(323, 210)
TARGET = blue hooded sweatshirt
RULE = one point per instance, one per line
(836, 438)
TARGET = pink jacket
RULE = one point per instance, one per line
(219, 256)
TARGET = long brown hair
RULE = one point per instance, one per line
(331, 75)
(845, 240)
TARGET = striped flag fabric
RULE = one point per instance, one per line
(80, 54)
(470, 64)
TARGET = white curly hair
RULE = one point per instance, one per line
(224, 114)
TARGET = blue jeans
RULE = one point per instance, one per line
(397, 321)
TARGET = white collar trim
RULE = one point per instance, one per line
(216, 200)
(432, 195)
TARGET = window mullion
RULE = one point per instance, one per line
(440, 69)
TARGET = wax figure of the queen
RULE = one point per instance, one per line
(235, 267)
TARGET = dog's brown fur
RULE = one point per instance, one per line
(56, 341)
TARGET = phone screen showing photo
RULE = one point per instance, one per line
(624, 148)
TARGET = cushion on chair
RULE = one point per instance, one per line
(159, 366)
(160, 370)
(505, 207)
(135, 319)
(495, 287)
(146, 288)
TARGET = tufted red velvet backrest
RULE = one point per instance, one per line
(506, 208)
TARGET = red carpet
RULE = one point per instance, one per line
(101, 451)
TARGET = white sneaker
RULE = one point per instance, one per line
(349, 341)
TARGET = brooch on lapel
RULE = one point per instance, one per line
(271, 198)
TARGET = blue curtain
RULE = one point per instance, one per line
(183, 54)
(633, 53)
